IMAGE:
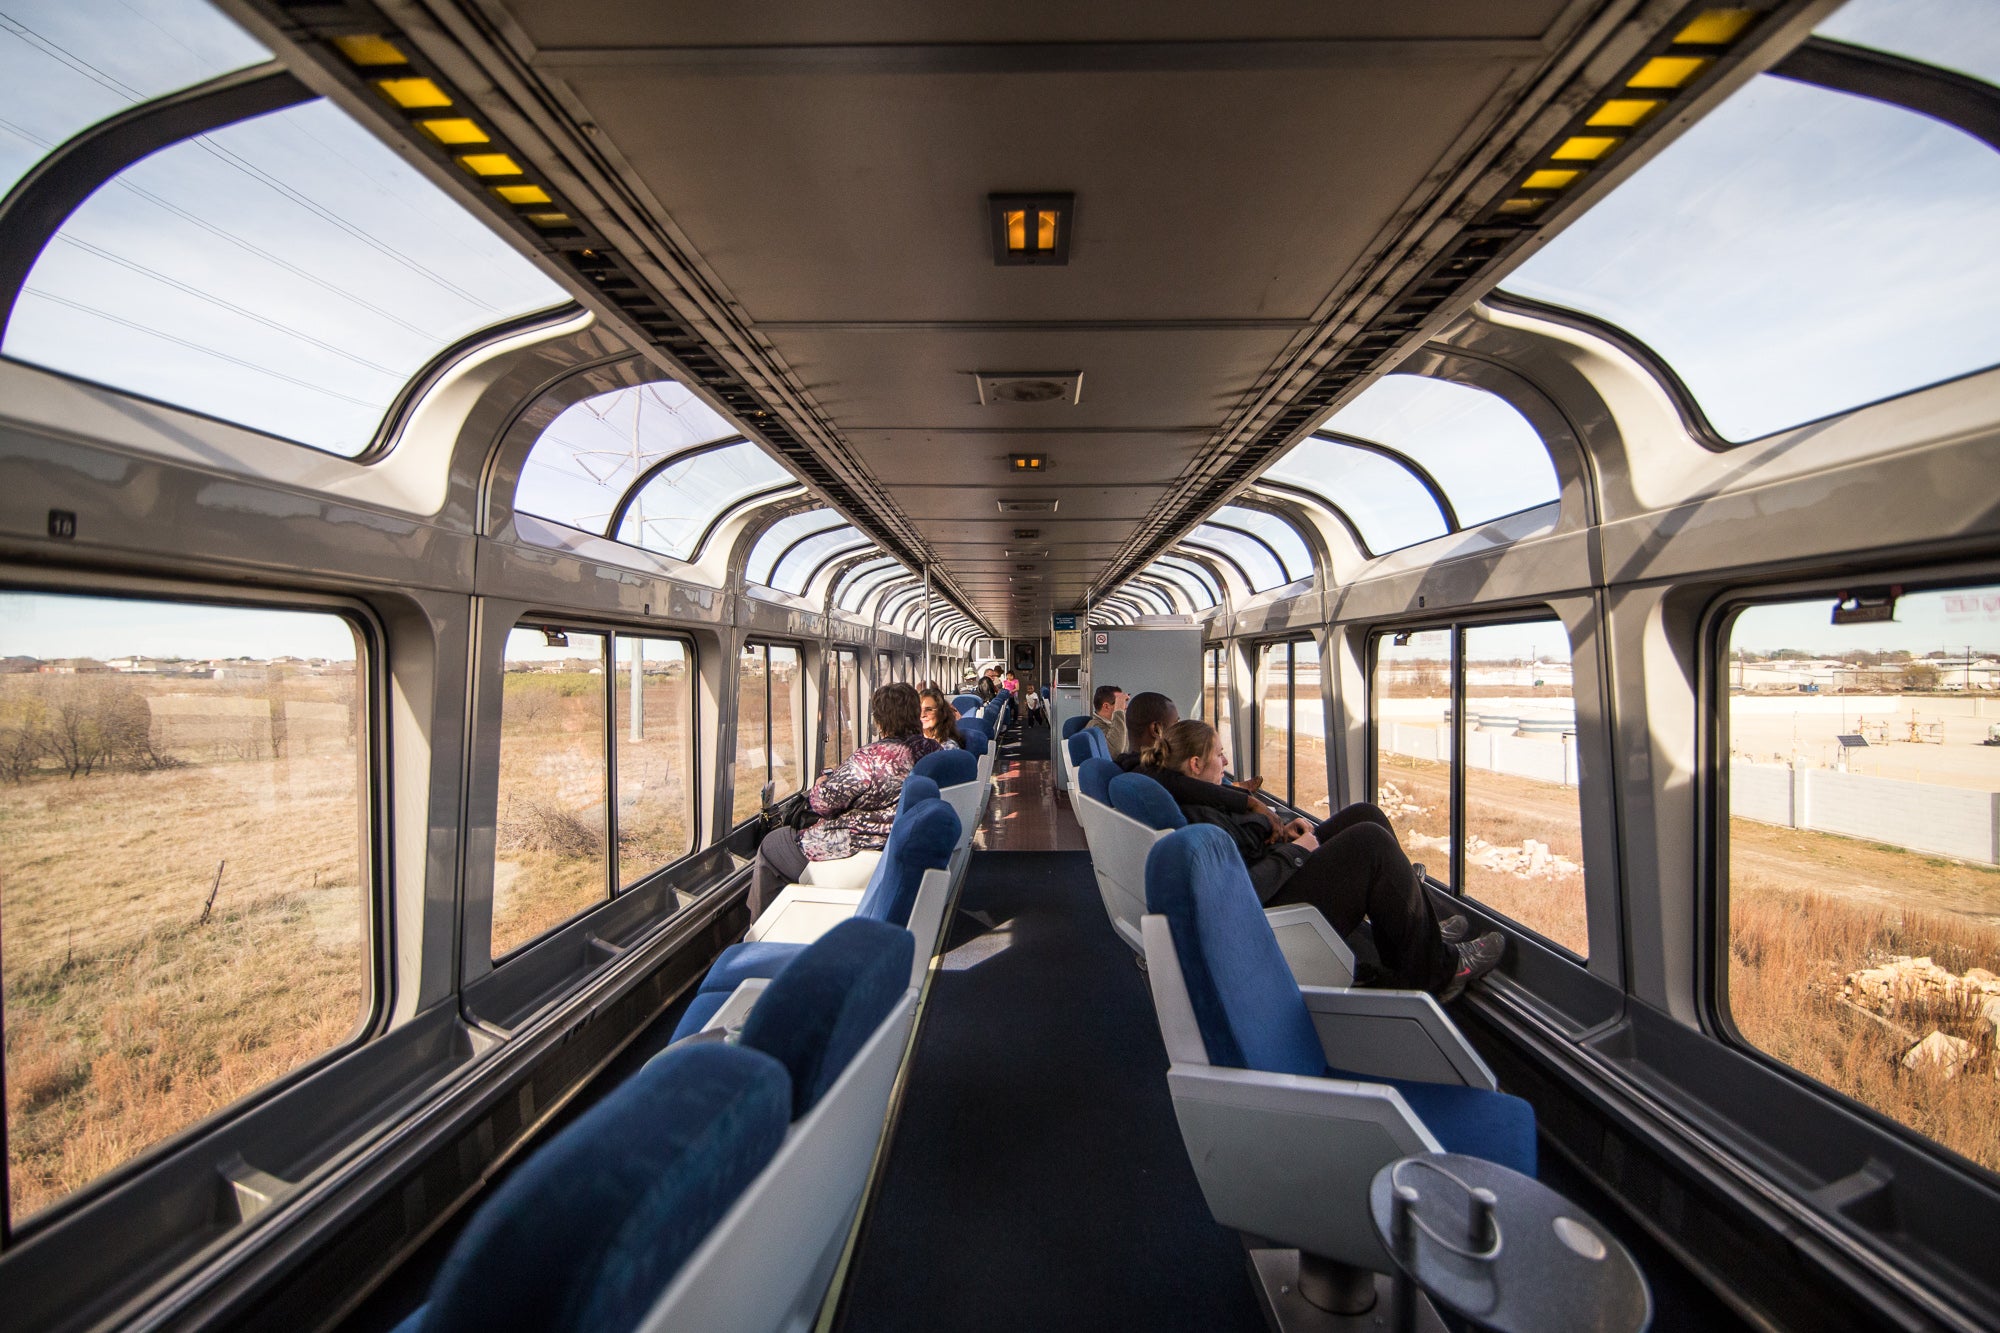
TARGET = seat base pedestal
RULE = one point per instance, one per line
(1275, 1274)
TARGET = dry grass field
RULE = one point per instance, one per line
(1806, 911)
(129, 1017)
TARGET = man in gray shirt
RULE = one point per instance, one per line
(1107, 714)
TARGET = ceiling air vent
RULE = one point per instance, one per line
(1028, 386)
(1027, 506)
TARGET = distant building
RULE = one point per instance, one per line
(20, 666)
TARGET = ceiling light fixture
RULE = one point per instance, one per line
(1028, 386)
(1031, 228)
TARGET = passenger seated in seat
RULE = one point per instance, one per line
(1107, 704)
(989, 684)
(855, 803)
(941, 720)
(1349, 867)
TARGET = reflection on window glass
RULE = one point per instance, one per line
(770, 721)
(791, 572)
(1274, 709)
(1412, 700)
(1796, 253)
(1258, 565)
(843, 707)
(1863, 780)
(550, 850)
(1523, 822)
(1957, 35)
(185, 902)
(778, 538)
(289, 273)
(787, 722)
(1384, 501)
(654, 730)
(589, 456)
(1279, 535)
(676, 507)
(1478, 448)
(1215, 708)
(864, 579)
(65, 66)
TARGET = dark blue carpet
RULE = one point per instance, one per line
(1037, 1179)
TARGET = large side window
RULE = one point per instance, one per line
(1411, 693)
(1291, 754)
(1215, 694)
(770, 716)
(1503, 759)
(1523, 852)
(1863, 796)
(654, 748)
(185, 904)
(843, 706)
(552, 852)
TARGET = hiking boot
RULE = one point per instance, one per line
(1453, 928)
(1475, 959)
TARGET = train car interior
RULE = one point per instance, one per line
(1299, 665)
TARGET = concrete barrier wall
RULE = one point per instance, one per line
(1551, 759)
(1922, 816)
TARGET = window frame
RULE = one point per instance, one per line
(1258, 647)
(374, 808)
(804, 721)
(1712, 905)
(608, 725)
(1457, 626)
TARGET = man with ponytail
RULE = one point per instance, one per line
(1349, 867)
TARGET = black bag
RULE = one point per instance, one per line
(1270, 863)
(800, 817)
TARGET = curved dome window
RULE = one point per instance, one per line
(290, 273)
(864, 579)
(1481, 452)
(1795, 254)
(1265, 548)
(1958, 35)
(1175, 576)
(63, 68)
(587, 458)
(780, 537)
(1389, 505)
(680, 503)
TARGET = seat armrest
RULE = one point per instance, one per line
(1316, 955)
(729, 1018)
(1394, 1034)
(848, 872)
(803, 913)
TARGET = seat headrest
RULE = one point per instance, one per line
(1145, 800)
(922, 838)
(1245, 999)
(1072, 725)
(975, 740)
(1094, 778)
(947, 768)
(964, 701)
(917, 787)
(592, 1227)
(1090, 741)
(825, 1004)
(973, 724)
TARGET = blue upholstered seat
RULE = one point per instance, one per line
(965, 702)
(947, 768)
(822, 1008)
(1093, 778)
(1088, 742)
(1251, 1015)
(974, 739)
(922, 838)
(1072, 725)
(592, 1228)
(1143, 799)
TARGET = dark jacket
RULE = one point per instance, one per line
(1228, 808)
(1188, 791)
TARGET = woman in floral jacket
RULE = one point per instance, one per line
(855, 802)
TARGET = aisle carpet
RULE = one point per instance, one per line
(1037, 1178)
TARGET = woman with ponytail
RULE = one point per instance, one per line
(1349, 867)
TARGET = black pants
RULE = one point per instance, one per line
(780, 861)
(1360, 870)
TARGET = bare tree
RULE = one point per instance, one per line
(23, 736)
